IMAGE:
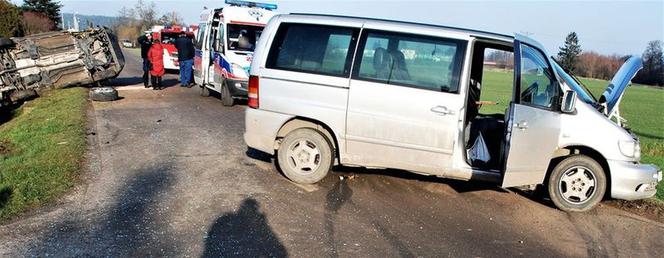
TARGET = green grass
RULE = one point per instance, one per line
(43, 150)
(641, 106)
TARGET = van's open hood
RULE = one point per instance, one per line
(619, 83)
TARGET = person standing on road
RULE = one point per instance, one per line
(156, 57)
(185, 48)
(146, 42)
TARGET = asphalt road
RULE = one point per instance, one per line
(169, 175)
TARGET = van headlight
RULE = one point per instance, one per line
(239, 71)
(631, 149)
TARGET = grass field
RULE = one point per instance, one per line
(41, 150)
(640, 106)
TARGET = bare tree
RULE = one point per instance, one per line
(171, 19)
(146, 13)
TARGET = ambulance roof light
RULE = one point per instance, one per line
(251, 4)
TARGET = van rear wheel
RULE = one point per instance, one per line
(577, 184)
(305, 156)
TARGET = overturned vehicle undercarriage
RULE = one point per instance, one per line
(56, 60)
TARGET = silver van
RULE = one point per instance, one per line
(332, 90)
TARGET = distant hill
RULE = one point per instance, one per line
(96, 20)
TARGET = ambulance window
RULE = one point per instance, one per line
(219, 39)
(201, 35)
(318, 49)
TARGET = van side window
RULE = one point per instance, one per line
(411, 60)
(538, 87)
(316, 49)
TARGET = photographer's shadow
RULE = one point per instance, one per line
(244, 233)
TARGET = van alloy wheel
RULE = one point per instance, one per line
(577, 184)
(303, 156)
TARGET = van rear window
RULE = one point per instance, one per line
(315, 49)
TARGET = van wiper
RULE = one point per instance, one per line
(576, 79)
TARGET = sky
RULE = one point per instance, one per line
(607, 27)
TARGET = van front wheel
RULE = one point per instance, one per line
(305, 156)
(577, 184)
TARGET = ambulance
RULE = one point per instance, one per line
(225, 46)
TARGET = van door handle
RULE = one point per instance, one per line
(442, 110)
(523, 125)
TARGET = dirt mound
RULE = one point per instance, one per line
(651, 209)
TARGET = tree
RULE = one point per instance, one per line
(10, 20)
(49, 8)
(569, 54)
(653, 64)
(147, 14)
(593, 65)
(171, 19)
(35, 22)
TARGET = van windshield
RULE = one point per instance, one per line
(577, 86)
(243, 37)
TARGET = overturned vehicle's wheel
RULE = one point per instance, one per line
(577, 184)
(103, 94)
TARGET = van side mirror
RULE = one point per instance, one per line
(569, 102)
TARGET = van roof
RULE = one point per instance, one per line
(473, 32)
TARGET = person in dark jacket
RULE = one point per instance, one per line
(146, 42)
(186, 51)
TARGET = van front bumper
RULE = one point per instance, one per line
(633, 181)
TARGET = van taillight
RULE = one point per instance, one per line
(253, 91)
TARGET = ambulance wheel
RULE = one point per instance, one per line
(226, 98)
(577, 184)
(205, 92)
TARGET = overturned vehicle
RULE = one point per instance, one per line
(56, 60)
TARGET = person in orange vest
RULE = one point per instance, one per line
(156, 57)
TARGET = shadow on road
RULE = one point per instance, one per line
(134, 220)
(136, 80)
(244, 233)
(458, 185)
(5, 194)
(258, 155)
(334, 200)
(124, 81)
(136, 211)
(341, 194)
